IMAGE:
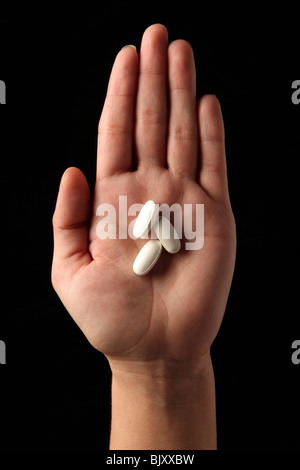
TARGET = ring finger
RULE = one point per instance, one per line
(183, 132)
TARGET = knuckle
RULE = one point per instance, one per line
(113, 130)
(183, 133)
(150, 117)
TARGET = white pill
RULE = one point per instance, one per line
(147, 257)
(143, 221)
(167, 235)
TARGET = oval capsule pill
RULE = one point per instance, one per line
(147, 257)
(143, 221)
(167, 235)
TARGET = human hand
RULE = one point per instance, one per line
(170, 317)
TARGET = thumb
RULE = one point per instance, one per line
(71, 226)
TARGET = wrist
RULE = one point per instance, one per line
(164, 383)
(163, 406)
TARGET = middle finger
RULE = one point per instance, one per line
(151, 105)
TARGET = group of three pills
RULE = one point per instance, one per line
(167, 238)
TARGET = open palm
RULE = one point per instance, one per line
(175, 311)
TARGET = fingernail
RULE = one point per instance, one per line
(129, 45)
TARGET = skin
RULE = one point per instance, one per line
(161, 326)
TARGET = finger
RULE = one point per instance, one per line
(115, 131)
(183, 131)
(71, 225)
(212, 173)
(151, 106)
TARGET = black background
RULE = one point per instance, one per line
(55, 388)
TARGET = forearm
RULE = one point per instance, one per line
(163, 412)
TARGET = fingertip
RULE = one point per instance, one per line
(125, 66)
(181, 47)
(132, 46)
(208, 100)
(156, 33)
(211, 102)
(71, 177)
(156, 27)
(129, 50)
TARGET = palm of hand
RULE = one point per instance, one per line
(164, 314)
(175, 311)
